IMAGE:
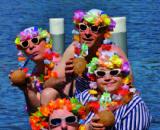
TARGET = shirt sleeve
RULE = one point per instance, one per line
(137, 119)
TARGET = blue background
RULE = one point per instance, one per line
(143, 36)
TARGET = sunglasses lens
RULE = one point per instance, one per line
(102, 29)
(100, 73)
(56, 121)
(24, 44)
(82, 27)
(114, 72)
(35, 40)
(94, 28)
(71, 119)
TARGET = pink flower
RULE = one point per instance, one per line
(78, 16)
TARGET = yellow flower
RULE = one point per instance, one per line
(108, 65)
(82, 127)
(116, 60)
(93, 92)
(127, 80)
(106, 19)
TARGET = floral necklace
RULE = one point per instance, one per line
(50, 60)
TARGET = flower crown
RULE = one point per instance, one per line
(110, 60)
(38, 120)
(32, 32)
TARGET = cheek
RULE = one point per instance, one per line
(118, 80)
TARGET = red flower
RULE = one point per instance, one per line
(106, 47)
(91, 77)
(48, 56)
(94, 106)
(77, 50)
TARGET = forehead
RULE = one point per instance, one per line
(103, 68)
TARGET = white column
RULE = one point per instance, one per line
(119, 35)
(56, 28)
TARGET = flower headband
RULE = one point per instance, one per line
(109, 60)
(33, 32)
(38, 120)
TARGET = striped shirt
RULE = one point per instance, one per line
(132, 116)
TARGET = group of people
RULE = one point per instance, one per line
(61, 95)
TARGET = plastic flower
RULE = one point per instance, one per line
(116, 60)
(78, 16)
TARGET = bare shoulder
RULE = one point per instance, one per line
(69, 52)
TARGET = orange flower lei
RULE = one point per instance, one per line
(38, 120)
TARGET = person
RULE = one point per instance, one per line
(110, 81)
(92, 28)
(36, 44)
(60, 114)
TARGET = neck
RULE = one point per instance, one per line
(40, 67)
(92, 51)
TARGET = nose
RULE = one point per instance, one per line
(63, 125)
(31, 46)
(108, 78)
(88, 35)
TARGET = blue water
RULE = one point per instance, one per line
(143, 18)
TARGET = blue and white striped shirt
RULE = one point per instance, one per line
(132, 116)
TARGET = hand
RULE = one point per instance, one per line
(9, 76)
(69, 72)
(94, 125)
(18, 78)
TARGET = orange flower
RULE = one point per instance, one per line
(44, 110)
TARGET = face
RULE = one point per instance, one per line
(90, 34)
(108, 80)
(62, 119)
(36, 48)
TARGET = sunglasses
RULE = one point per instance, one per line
(102, 73)
(93, 28)
(69, 120)
(35, 41)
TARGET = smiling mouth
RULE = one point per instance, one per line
(87, 39)
(34, 54)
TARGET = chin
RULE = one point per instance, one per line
(111, 88)
(38, 58)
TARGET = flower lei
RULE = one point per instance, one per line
(38, 120)
(80, 50)
(51, 58)
(95, 17)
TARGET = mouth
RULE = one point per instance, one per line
(34, 54)
(87, 39)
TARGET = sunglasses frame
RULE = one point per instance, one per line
(98, 28)
(65, 119)
(107, 72)
(37, 43)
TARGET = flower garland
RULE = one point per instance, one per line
(39, 119)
